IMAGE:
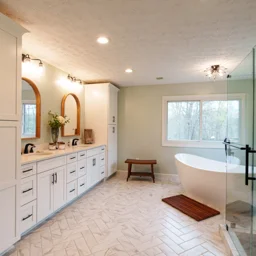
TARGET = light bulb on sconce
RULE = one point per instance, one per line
(41, 67)
(74, 79)
(29, 67)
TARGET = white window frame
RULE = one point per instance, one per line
(199, 143)
(22, 116)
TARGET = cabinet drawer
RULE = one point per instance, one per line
(81, 185)
(102, 172)
(28, 170)
(102, 159)
(93, 152)
(102, 149)
(71, 190)
(71, 158)
(51, 164)
(27, 216)
(71, 172)
(81, 155)
(28, 190)
(81, 167)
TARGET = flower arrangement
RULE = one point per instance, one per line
(56, 120)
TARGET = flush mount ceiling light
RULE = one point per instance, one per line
(74, 79)
(102, 40)
(128, 70)
(215, 71)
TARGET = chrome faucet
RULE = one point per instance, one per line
(74, 142)
(31, 149)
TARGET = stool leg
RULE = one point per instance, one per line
(129, 171)
(152, 172)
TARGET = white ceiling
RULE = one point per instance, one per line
(174, 39)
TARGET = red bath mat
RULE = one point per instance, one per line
(191, 207)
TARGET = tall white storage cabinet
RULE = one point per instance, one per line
(10, 103)
(101, 101)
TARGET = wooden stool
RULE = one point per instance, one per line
(130, 162)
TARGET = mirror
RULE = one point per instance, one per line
(31, 110)
(70, 107)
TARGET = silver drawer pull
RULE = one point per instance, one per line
(30, 215)
(82, 155)
(72, 158)
(25, 191)
(102, 149)
(71, 190)
(28, 170)
(82, 168)
(82, 185)
(72, 172)
(102, 159)
(102, 172)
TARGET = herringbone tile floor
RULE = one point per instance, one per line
(120, 218)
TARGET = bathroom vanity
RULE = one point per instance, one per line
(51, 180)
(34, 186)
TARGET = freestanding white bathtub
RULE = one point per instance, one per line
(204, 180)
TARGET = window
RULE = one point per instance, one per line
(28, 119)
(201, 121)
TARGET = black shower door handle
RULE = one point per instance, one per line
(248, 150)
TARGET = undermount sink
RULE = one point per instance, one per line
(40, 154)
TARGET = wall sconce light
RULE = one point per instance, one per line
(26, 58)
(74, 79)
(28, 66)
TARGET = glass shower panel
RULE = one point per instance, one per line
(240, 139)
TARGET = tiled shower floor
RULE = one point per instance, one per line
(123, 218)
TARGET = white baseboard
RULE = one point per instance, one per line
(173, 178)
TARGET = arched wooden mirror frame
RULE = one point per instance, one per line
(38, 109)
(78, 114)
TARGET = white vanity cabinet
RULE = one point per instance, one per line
(51, 191)
(28, 196)
(10, 136)
(48, 185)
(101, 109)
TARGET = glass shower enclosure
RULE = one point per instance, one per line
(240, 149)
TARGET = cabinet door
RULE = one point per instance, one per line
(112, 149)
(9, 84)
(112, 162)
(112, 106)
(93, 170)
(45, 185)
(112, 137)
(9, 184)
(8, 217)
(96, 170)
(59, 198)
(89, 168)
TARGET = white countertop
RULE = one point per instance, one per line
(30, 158)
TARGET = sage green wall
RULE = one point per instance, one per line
(140, 123)
(52, 85)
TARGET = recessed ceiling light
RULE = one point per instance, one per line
(128, 70)
(102, 40)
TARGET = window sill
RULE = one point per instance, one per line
(193, 144)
